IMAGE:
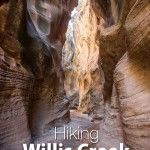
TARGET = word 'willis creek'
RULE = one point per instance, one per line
(60, 146)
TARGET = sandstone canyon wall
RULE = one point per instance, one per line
(16, 82)
(84, 77)
(99, 65)
(107, 52)
(32, 97)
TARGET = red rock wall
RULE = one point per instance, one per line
(32, 97)
(128, 40)
(132, 79)
(16, 82)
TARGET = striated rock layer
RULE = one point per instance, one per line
(121, 31)
(15, 81)
(132, 79)
(106, 71)
(32, 96)
(127, 55)
(16, 86)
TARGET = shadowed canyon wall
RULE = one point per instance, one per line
(94, 59)
(46, 25)
(16, 82)
(32, 96)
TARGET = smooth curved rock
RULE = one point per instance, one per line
(132, 76)
(47, 24)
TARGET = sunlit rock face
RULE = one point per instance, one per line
(120, 30)
(88, 47)
(80, 59)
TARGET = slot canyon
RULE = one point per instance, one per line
(75, 63)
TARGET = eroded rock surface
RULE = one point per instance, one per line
(106, 71)
(132, 76)
(16, 82)
(122, 31)
(47, 23)
(32, 95)
(80, 59)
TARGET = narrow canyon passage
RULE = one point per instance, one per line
(79, 64)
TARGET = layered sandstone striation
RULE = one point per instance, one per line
(94, 58)
(32, 96)
(121, 33)
(132, 76)
(15, 81)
